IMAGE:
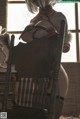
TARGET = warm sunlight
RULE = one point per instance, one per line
(19, 17)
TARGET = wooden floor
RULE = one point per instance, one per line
(70, 117)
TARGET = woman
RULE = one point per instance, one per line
(46, 23)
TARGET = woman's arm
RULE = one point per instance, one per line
(67, 38)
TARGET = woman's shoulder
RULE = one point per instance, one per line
(59, 15)
(34, 19)
(37, 17)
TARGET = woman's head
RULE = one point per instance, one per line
(34, 5)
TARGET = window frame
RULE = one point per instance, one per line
(76, 30)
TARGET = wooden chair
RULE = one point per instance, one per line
(37, 65)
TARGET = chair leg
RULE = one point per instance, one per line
(58, 107)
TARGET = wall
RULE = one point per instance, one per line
(72, 101)
(3, 13)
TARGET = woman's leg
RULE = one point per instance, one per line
(62, 89)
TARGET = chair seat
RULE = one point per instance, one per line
(20, 112)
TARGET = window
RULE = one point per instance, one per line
(79, 14)
(18, 17)
(69, 9)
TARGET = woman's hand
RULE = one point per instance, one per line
(66, 47)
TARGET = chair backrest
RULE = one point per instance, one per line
(35, 59)
(37, 64)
